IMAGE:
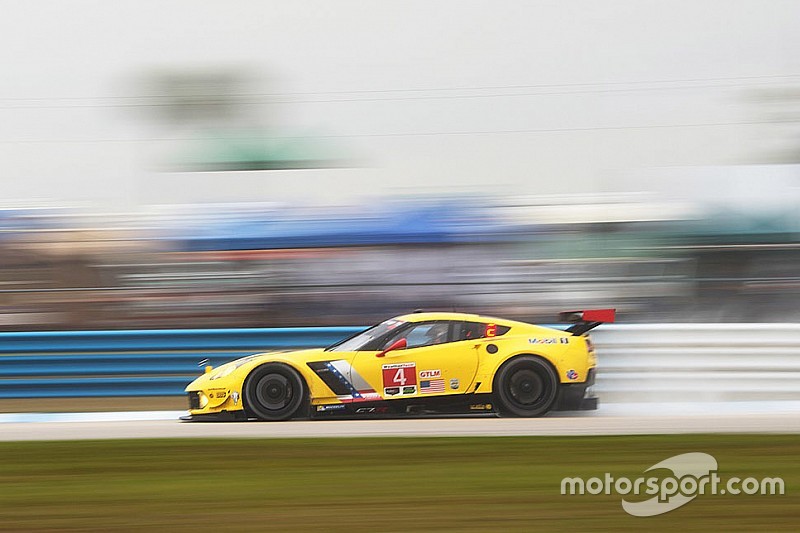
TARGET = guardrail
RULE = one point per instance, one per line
(643, 362)
(76, 364)
(698, 362)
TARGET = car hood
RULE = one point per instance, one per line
(224, 373)
(306, 355)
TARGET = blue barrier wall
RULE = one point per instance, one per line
(74, 364)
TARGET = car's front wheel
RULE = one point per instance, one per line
(526, 386)
(274, 392)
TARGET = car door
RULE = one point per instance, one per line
(433, 363)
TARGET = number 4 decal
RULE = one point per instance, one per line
(399, 375)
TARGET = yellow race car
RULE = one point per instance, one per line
(415, 363)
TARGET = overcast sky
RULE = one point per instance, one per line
(518, 96)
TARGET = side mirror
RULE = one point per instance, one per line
(399, 344)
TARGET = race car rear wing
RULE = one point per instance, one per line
(586, 320)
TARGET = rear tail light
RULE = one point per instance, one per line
(589, 344)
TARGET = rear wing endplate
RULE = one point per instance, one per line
(587, 319)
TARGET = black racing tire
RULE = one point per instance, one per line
(275, 391)
(526, 386)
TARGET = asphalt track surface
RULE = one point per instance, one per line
(613, 419)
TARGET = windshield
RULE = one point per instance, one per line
(359, 340)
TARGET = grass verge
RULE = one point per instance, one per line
(391, 484)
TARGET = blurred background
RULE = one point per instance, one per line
(197, 165)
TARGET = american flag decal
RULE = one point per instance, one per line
(337, 376)
(432, 385)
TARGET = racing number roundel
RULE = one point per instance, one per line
(400, 375)
(399, 379)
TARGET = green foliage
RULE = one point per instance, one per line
(398, 484)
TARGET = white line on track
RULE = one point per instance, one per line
(127, 416)
(612, 419)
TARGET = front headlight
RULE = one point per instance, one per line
(228, 368)
(223, 371)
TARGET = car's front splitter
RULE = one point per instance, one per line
(223, 416)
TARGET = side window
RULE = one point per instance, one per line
(422, 334)
(479, 330)
(471, 330)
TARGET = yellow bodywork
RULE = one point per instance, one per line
(465, 366)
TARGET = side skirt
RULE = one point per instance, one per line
(461, 404)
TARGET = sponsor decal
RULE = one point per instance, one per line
(235, 397)
(360, 397)
(430, 374)
(480, 407)
(399, 365)
(370, 396)
(399, 375)
(431, 386)
(550, 340)
(491, 330)
(391, 324)
(332, 407)
(571, 374)
(410, 390)
(391, 391)
(369, 410)
(454, 383)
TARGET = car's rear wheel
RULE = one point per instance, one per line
(275, 392)
(526, 386)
